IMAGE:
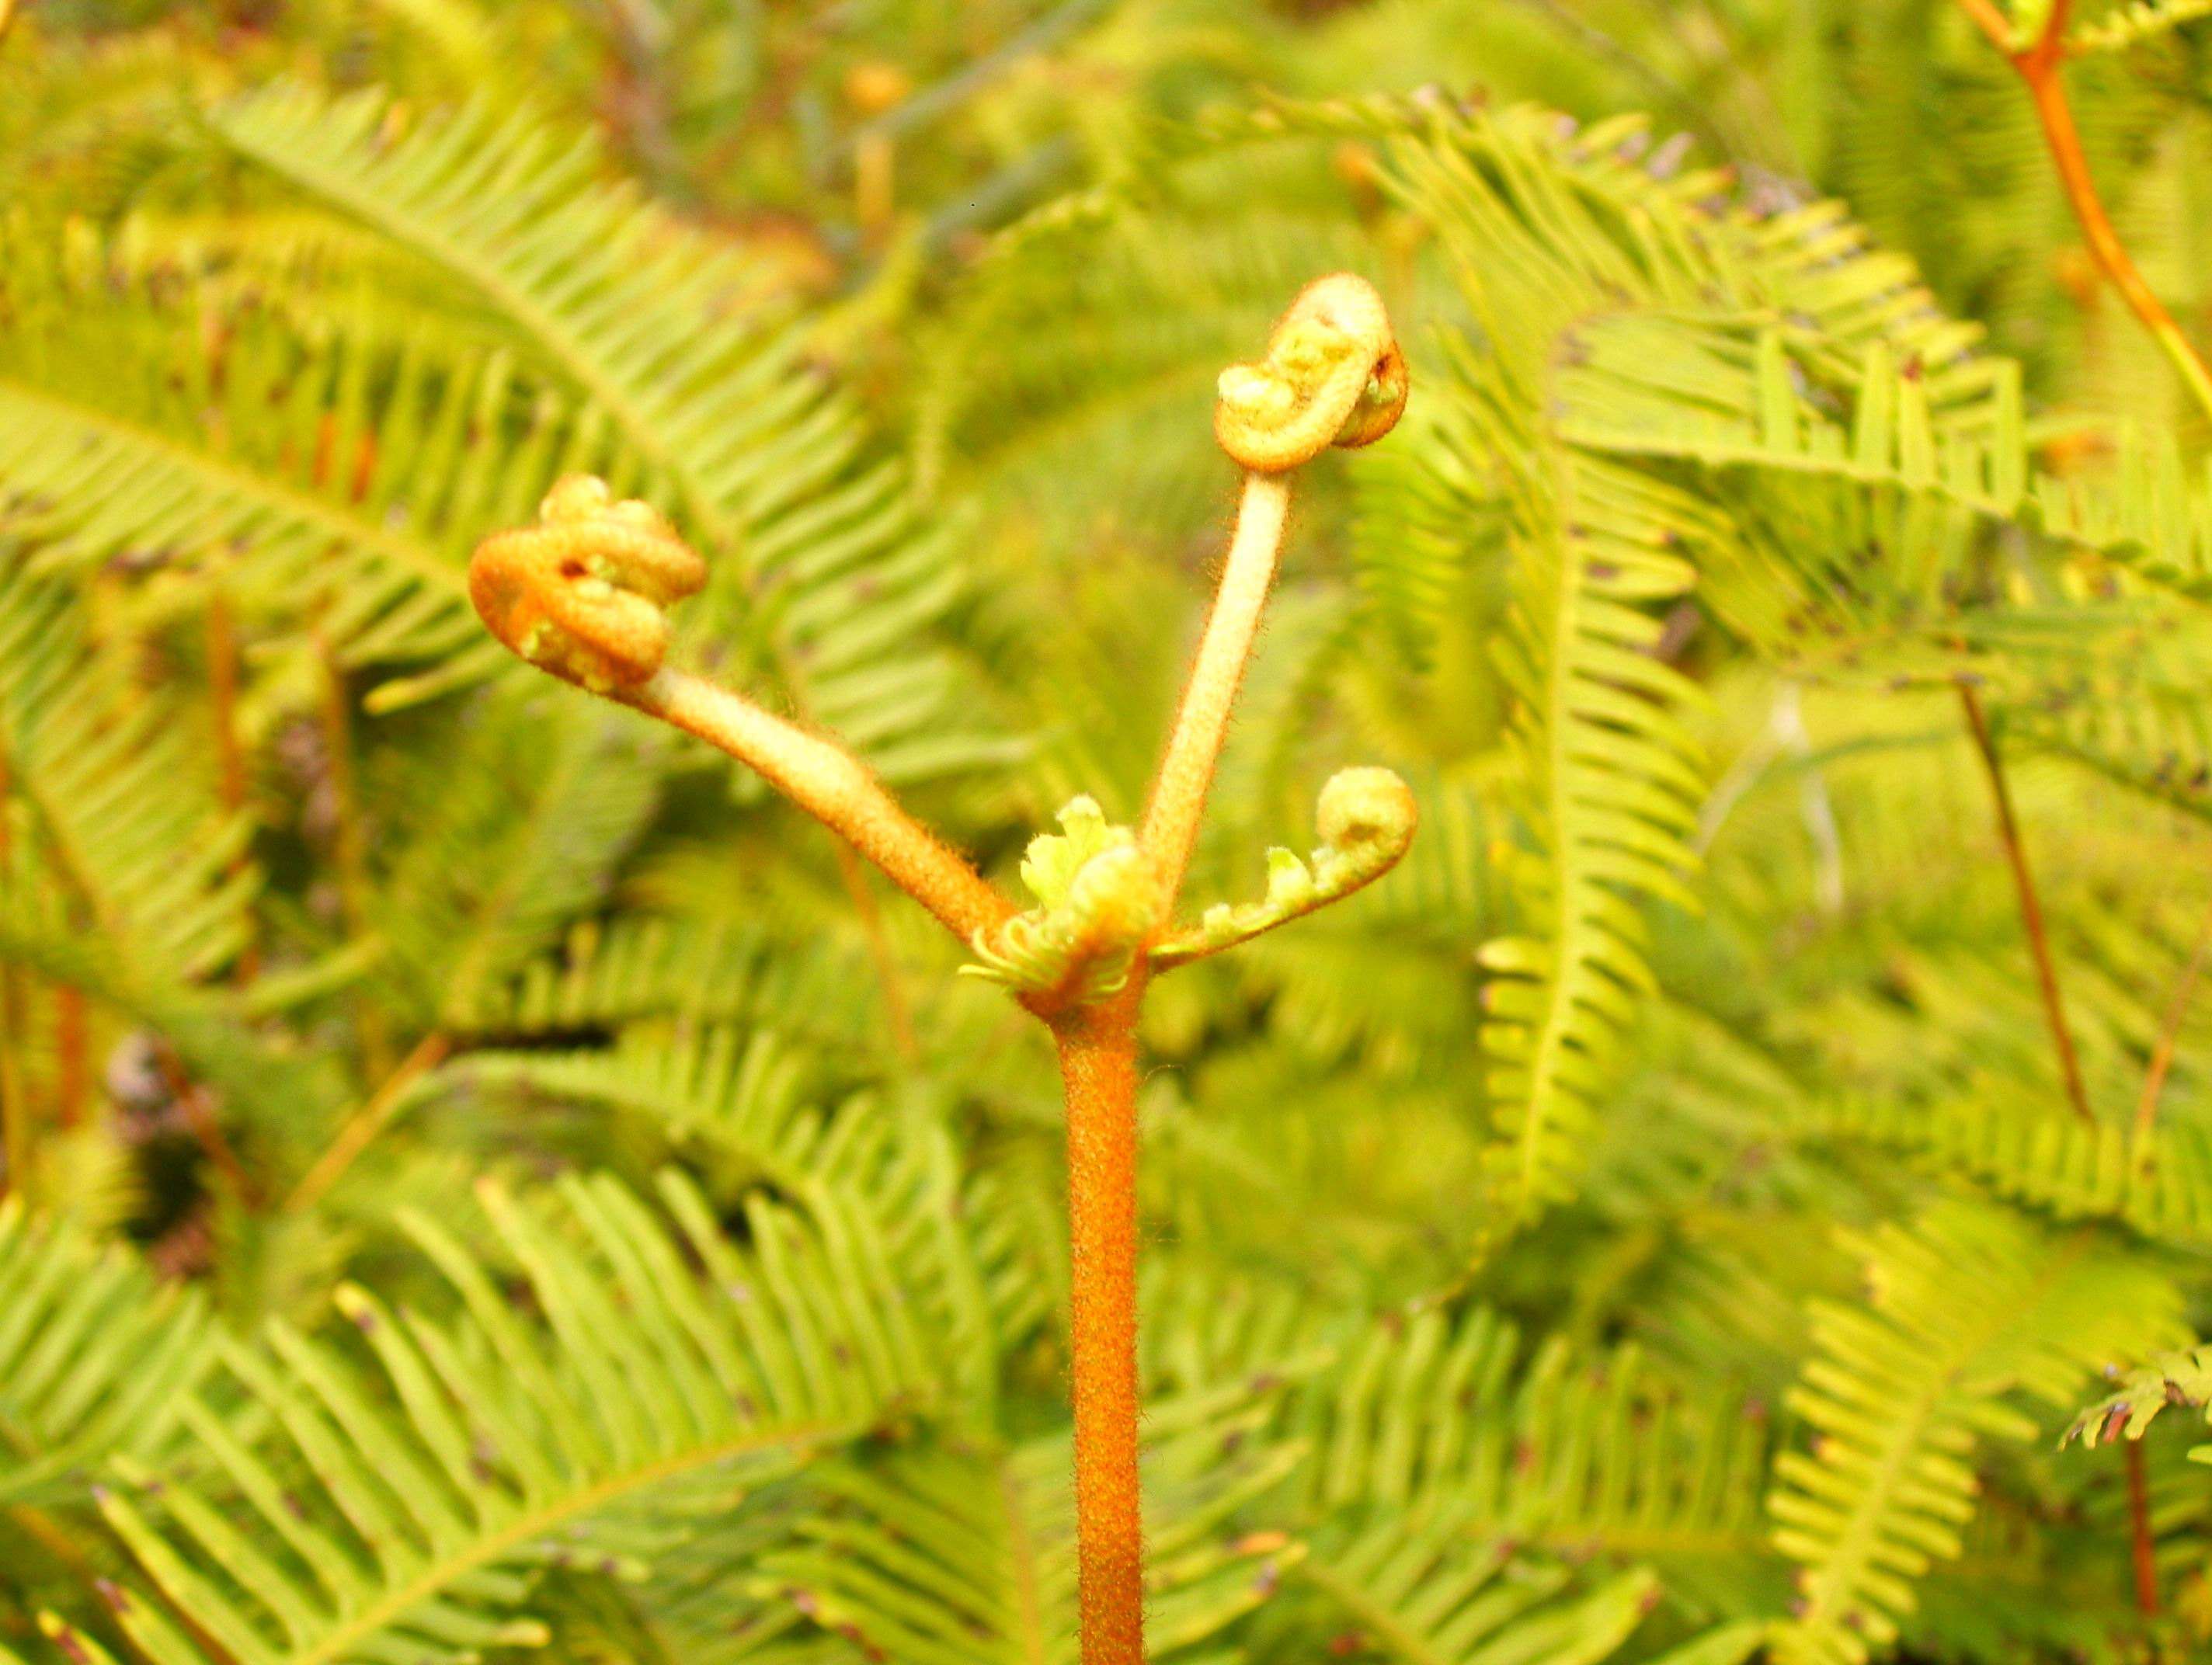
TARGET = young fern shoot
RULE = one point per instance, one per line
(583, 595)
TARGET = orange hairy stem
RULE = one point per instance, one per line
(2041, 66)
(1098, 1068)
(582, 596)
(1333, 375)
(834, 786)
(1178, 800)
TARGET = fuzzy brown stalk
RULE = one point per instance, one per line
(1185, 774)
(72, 1060)
(834, 786)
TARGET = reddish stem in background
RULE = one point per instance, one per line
(72, 1066)
(2031, 908)
(2169, 1037)
(14, 1100)
(2141, 1550)
(230, 749)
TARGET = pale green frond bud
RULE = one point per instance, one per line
(1099, 899)
(1333, 375)
(1365, 818)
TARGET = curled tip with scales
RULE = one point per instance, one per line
(583, 593)
(1333, 375)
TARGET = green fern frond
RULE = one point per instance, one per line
(2045, 1159)
(516, 837)
(967, 1556)
(1969, 1308)
(746, 1095)
(2135, 22)
(336, 484)
(821, 562)
(1418, 522)
(94, 1358)
(1571, 1455)
(1781, 402)
(347, 1510)
(122, 809)
(1417, 1588)
(2181, 1378)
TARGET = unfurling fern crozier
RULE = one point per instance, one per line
(584, 593)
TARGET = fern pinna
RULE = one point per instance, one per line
(1677, 1129)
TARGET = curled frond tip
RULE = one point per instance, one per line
(1333, 375)
(583, 593)
(1366, 818)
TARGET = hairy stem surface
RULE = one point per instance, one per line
(1170, 827)
(1098, 1065)
(830, 784)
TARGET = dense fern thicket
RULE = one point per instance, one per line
(482, 1181)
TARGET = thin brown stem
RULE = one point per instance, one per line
(2141, 1551)
(199, 1116)
(833, 786)
(2031, 908)
(896, 1008)
(349, 847)
(72, 1065)
(1170, 827)
(1099, 1066)
(362, 1127)
(230, 748)
(14, 1094)
(2169, 1036)
(2042, 69)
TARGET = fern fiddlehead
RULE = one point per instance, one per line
(1333, 375)
(1098, 902)
(1366, 818)
(583, 595)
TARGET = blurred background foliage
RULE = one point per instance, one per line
(1710, 1263)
